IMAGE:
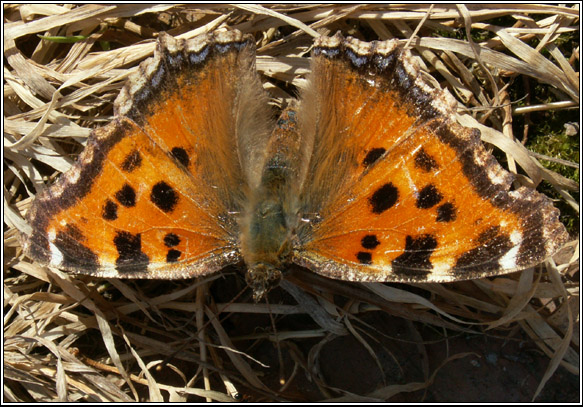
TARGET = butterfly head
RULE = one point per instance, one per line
(262, 277)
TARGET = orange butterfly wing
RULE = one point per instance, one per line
(396, 190)
(155, 194)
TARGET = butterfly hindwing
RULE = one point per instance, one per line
(156, 192)
(402, 192)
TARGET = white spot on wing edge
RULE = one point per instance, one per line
(56, 254)
(441, 269)
(508, 261)
(73, 175)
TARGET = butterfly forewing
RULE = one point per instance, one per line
(157, 191)
(404, 193)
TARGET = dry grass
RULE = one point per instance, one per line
(71, 338)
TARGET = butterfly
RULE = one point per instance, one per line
(366, 177)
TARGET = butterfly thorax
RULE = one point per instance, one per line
(270, 219)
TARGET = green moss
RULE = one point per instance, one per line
(552, 141)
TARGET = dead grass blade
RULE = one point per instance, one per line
(402, 296)
(256, 9)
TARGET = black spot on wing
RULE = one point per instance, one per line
(181, 156)
(428, 197)
(415, 259)
(384, 198)
(173, 255)
(370, 242)
(364, 257)
(425, 162)
(109, 210)
(126, 196)
(446, 212)
(372, 156)
(129, 247)
(171, 240)
(164, 196)
(132, 161)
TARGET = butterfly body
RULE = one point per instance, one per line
(367, 177)
(268, 228)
